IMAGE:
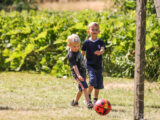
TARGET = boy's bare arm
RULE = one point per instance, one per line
(83, 52)
(102, 50)
(77, 72)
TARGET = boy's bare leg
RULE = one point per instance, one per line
(90, 88)
(89, 104)
(96, 93)
(78, 95)
(86, 95)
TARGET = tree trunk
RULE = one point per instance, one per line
(140, 59)
(157, 6)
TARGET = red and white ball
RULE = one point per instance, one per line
(102, 107)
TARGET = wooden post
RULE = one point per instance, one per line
(157, 6)
(140, 59)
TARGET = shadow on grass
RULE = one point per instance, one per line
(153, 106)
(131, 105)
(5, 108)
(128, 105)
(114, 110)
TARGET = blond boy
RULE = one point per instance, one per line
(78, 69)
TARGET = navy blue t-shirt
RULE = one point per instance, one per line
(90, 47)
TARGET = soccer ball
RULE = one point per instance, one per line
(102, 107)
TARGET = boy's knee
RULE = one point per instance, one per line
(80, 91)
(85, 89)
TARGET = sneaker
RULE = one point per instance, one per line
(74, 103)
(85, 102)
(89, 105)
(94, 101)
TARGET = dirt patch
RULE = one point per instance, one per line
(81, 5)
(129, 85)
(113, 85)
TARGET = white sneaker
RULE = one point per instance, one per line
(89, 105)
(85, 102)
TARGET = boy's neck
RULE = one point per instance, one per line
(93, 38)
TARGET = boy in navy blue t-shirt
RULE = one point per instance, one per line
(94, 48)
(78, 69)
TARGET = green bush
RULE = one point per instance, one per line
(127, 5)
(37, 41)
(19, 5)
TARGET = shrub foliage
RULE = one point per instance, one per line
(36, 40)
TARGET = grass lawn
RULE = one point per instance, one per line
(30, 96)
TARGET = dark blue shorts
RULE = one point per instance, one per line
(95, 77)
(84, 83)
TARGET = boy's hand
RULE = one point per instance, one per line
(80, 78)
(97, 53)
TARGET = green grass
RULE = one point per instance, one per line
(29, 96)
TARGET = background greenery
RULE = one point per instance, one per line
(18, 5)
(36, 40)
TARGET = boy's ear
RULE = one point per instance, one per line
(68, 43)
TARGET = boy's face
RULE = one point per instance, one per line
(93, 30)
(74, 47)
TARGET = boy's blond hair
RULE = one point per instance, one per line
(73, 39)
(93, 23)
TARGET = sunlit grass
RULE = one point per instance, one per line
(29, 96)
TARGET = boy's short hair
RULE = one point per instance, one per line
(93, 23)
(73, 39)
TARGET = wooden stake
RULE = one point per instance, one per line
(140, 59)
